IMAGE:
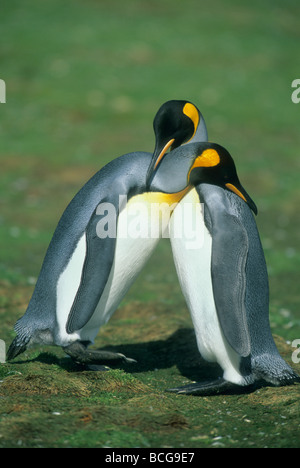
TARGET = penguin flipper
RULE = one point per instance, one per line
(228, 265)
(229, 255)
(96, 269)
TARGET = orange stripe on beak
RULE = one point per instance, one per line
(235, 190)
(165, 149)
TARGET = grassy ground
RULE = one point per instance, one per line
(84, 80)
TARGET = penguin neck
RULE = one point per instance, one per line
(201, 134)
(169, 198)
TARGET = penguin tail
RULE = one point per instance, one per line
(291, 378)
(275, 371)
(21, 341)
(18, 346)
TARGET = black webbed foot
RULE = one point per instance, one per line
(80, 353)
(215, 387)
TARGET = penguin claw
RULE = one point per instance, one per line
(128, 360)
(98, 368)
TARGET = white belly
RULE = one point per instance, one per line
(192, 246)
(138, 233)
(130, 257)
(66, 291)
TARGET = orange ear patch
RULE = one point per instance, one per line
(191, 111)
(209, 158)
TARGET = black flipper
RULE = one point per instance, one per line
(229, 256)
(96, 270)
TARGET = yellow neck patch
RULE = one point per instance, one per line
(159, 197)
(164, 202)
(190, 111)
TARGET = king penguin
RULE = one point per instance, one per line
(221, 268)
(92, 260)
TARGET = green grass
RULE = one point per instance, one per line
(84, 81)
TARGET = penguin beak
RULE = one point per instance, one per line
(241, 192)
(156, 160)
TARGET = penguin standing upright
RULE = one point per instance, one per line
(87, 271)
(224, 276)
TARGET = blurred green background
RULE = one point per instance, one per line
(84, 80)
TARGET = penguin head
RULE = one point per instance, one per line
(175, 124)
(214, 165)
(198, 163)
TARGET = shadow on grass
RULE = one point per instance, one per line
(179, 350)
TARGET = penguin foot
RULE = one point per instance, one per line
(79, 352)
(215, 387)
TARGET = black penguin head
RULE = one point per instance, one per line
(175, 123)
(214, 165)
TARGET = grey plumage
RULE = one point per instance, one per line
(238, 269)
(246, 289)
